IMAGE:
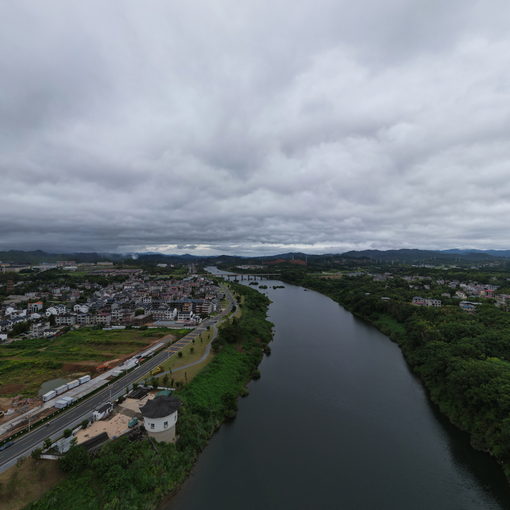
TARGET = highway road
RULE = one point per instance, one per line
(76, 414)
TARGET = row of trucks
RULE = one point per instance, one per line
(135, 360)
(127, 365)
(65, 387)
(63, 402)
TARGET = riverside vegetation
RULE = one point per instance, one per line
(139, 474)
(463, 359)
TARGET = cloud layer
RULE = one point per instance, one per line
(254, 127)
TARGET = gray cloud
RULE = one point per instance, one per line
(254, 127)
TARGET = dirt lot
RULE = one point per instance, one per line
(116, 425)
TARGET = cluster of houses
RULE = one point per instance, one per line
(136, 301)
(466, 292)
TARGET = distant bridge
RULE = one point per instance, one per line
(246, 276)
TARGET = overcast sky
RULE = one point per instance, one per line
(254, 126)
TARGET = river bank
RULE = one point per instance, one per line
(140, 474)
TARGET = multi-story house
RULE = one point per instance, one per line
(65, 320)
(35, 307)
(84, 319)
(104, 318)
(419, 301)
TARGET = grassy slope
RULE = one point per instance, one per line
(26, 482)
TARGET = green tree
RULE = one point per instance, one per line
(20, 327)
(75, 460)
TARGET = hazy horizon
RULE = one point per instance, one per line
(251, 256)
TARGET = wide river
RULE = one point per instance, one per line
(337, 421)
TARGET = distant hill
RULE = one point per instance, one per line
(405, 256)
(493, 253)
(38, 256)
(411, 256)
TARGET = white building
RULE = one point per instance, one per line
(160, 417)
(419, 301)
(56, 310)
(102, 411)
(35, 307)
(185, 317)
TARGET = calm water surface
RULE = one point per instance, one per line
(337, 421)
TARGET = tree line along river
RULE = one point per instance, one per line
(337, 421)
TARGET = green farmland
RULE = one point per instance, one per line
(26, 364)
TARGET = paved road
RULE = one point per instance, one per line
(76, 414)
(231, 302)
(207, 347)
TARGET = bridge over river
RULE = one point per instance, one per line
(247, 276)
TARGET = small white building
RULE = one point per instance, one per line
(160, 417)
(103, 411)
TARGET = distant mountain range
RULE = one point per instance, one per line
(409, 256)
(494, 253)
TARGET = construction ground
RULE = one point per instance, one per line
(116, 423)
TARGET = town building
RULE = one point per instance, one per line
(420, 301)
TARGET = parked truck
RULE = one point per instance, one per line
(73, 384)
(61, 389)
(60, 404)
(49, 395)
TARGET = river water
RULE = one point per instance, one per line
(337, 421)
